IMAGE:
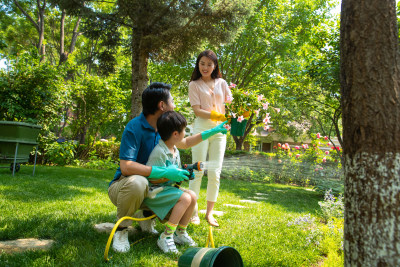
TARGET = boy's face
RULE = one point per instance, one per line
(180, 135)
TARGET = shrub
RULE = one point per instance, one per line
(60, 154)
(31, 92)
(332, 207)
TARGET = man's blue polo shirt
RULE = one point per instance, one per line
(138, 140)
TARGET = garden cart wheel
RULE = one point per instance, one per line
(17, 167)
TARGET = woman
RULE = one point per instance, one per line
(207, 94)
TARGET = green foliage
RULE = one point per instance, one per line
(332, 207)
(60, 153)
(97, 163)
(31, 92)
(99, 103)
(185, 155)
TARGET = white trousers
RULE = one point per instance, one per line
(215, 147)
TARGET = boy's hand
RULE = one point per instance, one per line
(171, 172)
(217, 129)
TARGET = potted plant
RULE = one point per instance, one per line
(246, 106)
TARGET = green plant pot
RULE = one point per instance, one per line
(238, 128)
(13, 133)
(211, 257)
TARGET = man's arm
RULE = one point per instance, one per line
(129, 167)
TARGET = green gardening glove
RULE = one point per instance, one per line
(217, 129)
(172, 172)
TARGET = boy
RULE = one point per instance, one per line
(171, 127)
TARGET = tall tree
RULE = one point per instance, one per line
(173, 29)
(370, 90)
(279, 31)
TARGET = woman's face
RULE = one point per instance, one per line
(206, 66)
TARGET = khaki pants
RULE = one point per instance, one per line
(127, 194)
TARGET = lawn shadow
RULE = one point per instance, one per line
(52, 183)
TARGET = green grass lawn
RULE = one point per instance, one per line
(64, 203)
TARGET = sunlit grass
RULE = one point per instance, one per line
(64, 203)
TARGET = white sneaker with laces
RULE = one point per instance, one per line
(120, 241)
(147, 225)
(184, 239)
(166, 244)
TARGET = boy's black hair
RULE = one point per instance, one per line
(152, 95)
(170, 122)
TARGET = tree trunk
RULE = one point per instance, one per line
(371, 132)
(139, 75)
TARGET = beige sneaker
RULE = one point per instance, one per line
(147, 225)
(120, 241)
(195, 220)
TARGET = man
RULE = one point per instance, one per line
(129, 187)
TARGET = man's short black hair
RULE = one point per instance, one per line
(170, 122)
(152, 95)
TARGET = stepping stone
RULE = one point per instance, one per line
(261, 194)
(215, 212)
(107, 228)
(234, 206)
(21, 245)
(260, 197)
(248, 201)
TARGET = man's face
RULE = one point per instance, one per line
(169, 106)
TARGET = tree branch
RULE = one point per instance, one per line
(196, 13)
(27, 15)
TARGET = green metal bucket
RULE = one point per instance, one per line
(238, 128)
(211, 257)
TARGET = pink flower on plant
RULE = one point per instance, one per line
(290, 154)
(329, 144)
(257, 112)
(246, 93)
(240, 119)
(234, 115)
(318, 135)
(279, 145)
(321, 168)
(265, 106)
(327, 152)
(232, 85)
(229, 99)
(316, 169)
(324, 159)
(297, 156)
(227, 127)
(266, 120)
(326, 137)
(297, 147)
(277, 110)
(266, 127)
(260, 97)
